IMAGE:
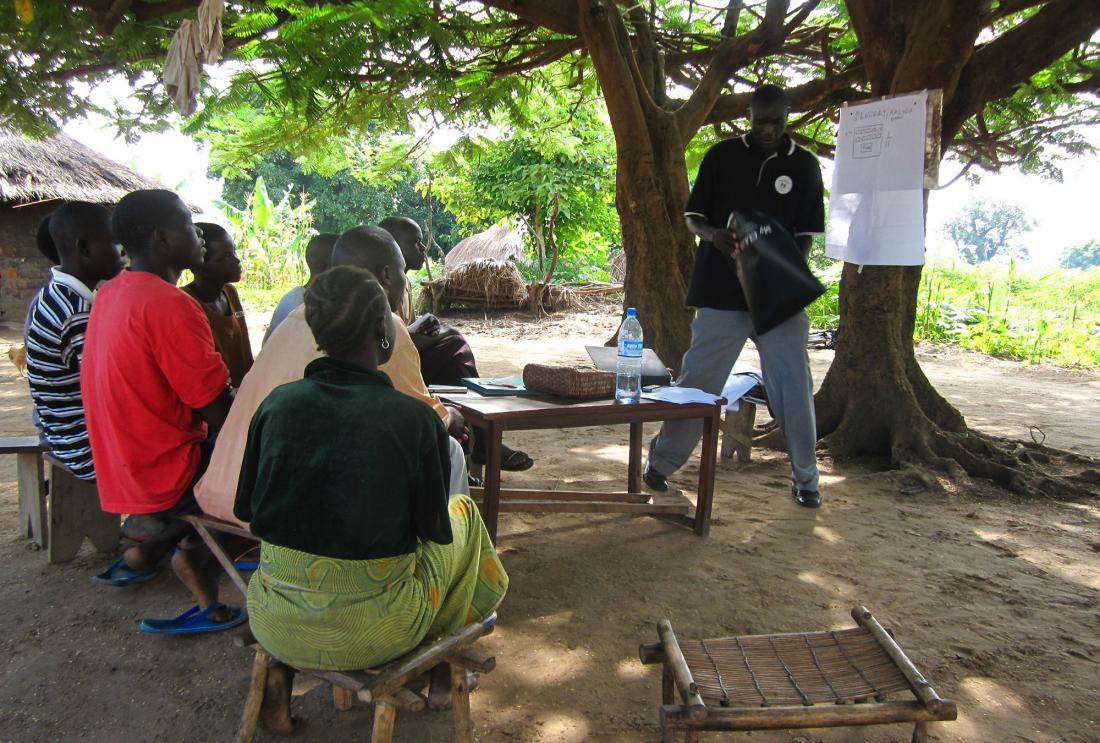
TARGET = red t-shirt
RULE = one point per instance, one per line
(149, 362)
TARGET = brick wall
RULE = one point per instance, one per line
(23, 270)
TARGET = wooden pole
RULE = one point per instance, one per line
(685, 684)
(473, 659)
(255, 699)
(634, 466)
(460, 705)
(708, 461)
(384, 715)
(342, 698)
(916, 680)
(816, 716)
(395, 676)
(651, 652)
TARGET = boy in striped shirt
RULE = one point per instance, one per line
(59, 313)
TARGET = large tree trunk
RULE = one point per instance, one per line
(651, 186)
(875, 399)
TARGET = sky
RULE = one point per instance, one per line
(1064, 212)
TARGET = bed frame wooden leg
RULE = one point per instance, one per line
(384, 715)
(460, 704)
(342, 698)
(251, 715)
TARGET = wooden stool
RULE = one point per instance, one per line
(33, 521)
(773, 682)
(75, 514)
(737, 428)
(385, 686)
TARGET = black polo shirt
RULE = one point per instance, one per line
(735, 174)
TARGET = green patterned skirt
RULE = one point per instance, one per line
(320, 612)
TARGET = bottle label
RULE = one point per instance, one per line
(630, 348)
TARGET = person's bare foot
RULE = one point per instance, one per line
(439, 690)
(275, 710)
(202, 585)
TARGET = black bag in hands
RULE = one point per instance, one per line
(772, 270)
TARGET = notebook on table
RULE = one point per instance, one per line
(654, 371)
(497, 385)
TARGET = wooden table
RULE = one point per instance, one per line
(493, 415)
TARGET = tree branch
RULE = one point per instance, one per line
(805, 97)
(556, 15)
(732, 53)
(998, 68)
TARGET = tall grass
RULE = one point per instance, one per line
(1004, 311)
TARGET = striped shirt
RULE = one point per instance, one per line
(55, 346)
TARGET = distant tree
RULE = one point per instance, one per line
(986, 229)
(1085, 255)
(557, 176)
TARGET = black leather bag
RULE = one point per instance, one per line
(773, 272)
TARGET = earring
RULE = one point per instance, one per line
(385, 343)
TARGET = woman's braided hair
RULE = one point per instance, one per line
(341, 304)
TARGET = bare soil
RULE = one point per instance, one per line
(995, 597)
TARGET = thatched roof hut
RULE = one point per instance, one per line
(59, 167)
(35, 175)
(499, 243)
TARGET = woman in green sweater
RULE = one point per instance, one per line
(364, 553)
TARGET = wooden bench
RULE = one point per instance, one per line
(737, 427)
(386, 687)
(58, 517)
(75, 515)
(30, 473)
(795, 680)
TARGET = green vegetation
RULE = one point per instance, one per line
(1000, 310)
(271, 237)
(342, 199)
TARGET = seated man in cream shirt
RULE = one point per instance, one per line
(291, 347)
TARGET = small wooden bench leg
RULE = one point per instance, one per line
(33, 518)
(251, 715)
(920, 732)
(75, 514)
(668, 686)
(342, 698)
(460, 704)
(384, 715)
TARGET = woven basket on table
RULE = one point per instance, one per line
(568, 381)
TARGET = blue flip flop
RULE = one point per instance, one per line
(118, 573)
(192, 622)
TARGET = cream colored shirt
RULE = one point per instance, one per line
(283, 359)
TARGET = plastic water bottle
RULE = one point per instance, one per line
(628, 370)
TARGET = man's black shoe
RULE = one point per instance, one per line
(807, 498)
(654, 480)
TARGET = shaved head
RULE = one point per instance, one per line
(374, 249)
(319, 253)
(408, 235)
(79, 220)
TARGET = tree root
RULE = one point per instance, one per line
(1013, 465)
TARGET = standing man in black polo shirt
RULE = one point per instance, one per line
(767, 171)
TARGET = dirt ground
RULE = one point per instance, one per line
(993, 596)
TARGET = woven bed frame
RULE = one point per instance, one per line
(796, 680)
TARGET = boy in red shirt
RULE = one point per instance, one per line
(155, 392)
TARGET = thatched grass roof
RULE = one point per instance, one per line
(499, 243)
(59, 167)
